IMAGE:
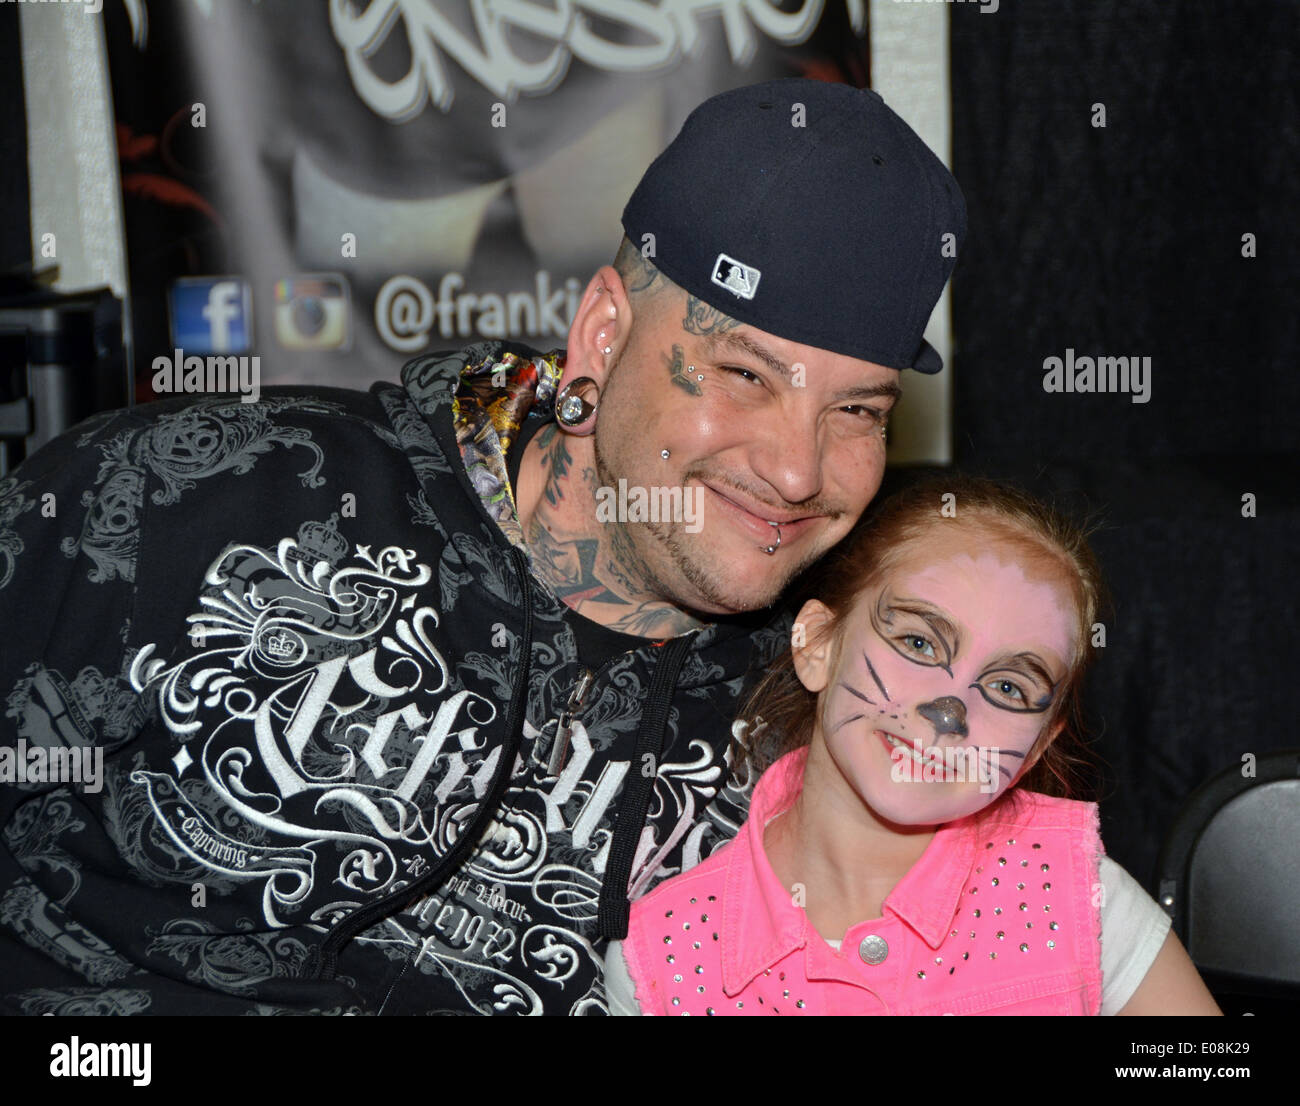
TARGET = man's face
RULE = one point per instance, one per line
(758, 429)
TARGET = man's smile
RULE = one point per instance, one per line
(756, 518)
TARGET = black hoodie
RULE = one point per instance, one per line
(280, 695)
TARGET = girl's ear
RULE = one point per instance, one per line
(810, 644)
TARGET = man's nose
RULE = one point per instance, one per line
(791, 459)
(946, 715)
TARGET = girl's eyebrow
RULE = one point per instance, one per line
(1031, 665)
(933, 615)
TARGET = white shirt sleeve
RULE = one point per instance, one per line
(1133, 927)
(620, 991)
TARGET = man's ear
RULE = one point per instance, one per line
(603, 321)
(812, 645)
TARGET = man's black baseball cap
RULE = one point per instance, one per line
(810, 211)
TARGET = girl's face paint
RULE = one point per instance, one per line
(944, 677)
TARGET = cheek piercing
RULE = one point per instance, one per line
(664, 454)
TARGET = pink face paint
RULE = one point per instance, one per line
(946, 673)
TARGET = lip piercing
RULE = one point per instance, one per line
(770, 549)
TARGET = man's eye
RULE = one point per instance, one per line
(871, 417)
(746, 374)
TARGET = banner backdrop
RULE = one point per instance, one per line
(330, 189)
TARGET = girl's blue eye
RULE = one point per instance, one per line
(919, 644)
(1007, 688)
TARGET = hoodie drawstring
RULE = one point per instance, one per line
(614, 907)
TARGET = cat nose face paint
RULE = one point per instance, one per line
(945, 674)
(946, 715)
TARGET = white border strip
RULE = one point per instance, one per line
(909, 68)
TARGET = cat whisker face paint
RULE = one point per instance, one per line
(944, 676)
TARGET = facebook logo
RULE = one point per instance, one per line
(212, 315)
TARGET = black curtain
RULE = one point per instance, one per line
(1127, 240)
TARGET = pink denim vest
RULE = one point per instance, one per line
(1001, 915)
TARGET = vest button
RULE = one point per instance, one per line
(873, 949)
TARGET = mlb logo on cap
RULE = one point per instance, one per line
(735, 277)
